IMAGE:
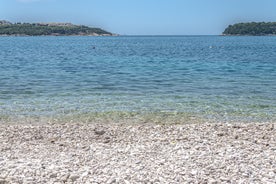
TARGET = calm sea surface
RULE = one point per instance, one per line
(159, 79)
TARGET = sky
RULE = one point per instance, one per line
(143, 17)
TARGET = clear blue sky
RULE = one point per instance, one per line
(143, 17)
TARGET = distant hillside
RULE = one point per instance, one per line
(54, 29)
(253, 29)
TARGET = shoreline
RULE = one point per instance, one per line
(133, 118)
(136, 117)
(132, 153)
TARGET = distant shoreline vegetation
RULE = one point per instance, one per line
(49, 29)
(251, 29)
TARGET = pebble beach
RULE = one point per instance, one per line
(138, 153)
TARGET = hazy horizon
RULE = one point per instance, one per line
(145, 17)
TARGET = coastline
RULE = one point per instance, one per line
(128, 117)
(132, 153)
(22, 35)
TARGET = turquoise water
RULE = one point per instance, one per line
(182, 78)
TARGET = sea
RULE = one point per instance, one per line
(158, 79)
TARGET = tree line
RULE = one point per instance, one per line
(45, 29)
(252, 28)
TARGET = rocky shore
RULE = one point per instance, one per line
(138, 153)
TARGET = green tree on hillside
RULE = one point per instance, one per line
(253, 28)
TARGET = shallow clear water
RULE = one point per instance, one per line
(147, 78)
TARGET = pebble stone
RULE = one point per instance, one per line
(138, 153)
